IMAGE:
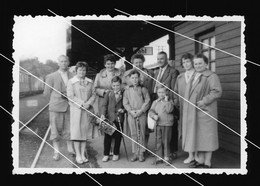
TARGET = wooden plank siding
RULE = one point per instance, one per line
(228, 36)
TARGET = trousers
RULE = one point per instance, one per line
(108, 139)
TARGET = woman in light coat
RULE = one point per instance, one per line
(81, 95)
(182, 80)
(203, 91)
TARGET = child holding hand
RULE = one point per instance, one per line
(162, 112)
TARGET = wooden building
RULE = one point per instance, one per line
(225, 36)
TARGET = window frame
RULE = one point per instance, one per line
(206, 34)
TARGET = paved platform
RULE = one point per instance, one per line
(220, 159)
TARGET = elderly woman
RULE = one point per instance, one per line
(103, 79)
(203, 90)
(182, 80)
(81, 95)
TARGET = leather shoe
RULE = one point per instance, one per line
(134, 158)
(195, 165)
(157, 161)
(141, 158)
(56, 156)
(207, 167)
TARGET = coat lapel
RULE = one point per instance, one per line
(165, 74)
(59, 79)
(193, 86)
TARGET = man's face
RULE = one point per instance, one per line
(162, 60)
(63, 62)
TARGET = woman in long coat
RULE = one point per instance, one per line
(181, 82)
(80, 91)
(102, 82)
(202, 130)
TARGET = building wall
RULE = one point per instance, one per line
(227, 36)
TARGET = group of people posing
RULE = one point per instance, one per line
(183, 106)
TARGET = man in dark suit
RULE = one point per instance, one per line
(59, 106)
(167, 75)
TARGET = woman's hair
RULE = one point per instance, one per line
(200, 55)
(110, 57)
(134, 71)
(137, 56)
(116, 79)
(81, 64)
(186, 56)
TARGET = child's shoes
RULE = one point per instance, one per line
(105, 158)
(115, 157)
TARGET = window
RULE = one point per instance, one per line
(208, 38)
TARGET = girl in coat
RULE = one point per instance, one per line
(80, 90)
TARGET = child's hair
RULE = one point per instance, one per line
(159, 86)
(116, 79)
(134, 71)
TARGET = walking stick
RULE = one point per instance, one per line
(138, 134)
(155, 161)
(120, 128)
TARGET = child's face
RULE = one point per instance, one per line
(161, 92)
(134, 79)
(116, 86)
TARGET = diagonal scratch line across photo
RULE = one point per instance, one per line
(18, 66)
(107, 46)
(63, 19)
(16, 119)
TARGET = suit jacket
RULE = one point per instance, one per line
(110, 106)
(58, 103)
(168, 78)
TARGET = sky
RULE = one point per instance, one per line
(43, 37)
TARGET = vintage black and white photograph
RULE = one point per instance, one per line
(129, 94)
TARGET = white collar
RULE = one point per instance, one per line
(190, 71)
(75, 79)
(62, 72)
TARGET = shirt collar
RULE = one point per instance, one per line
(61, 72)
(163, 69)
